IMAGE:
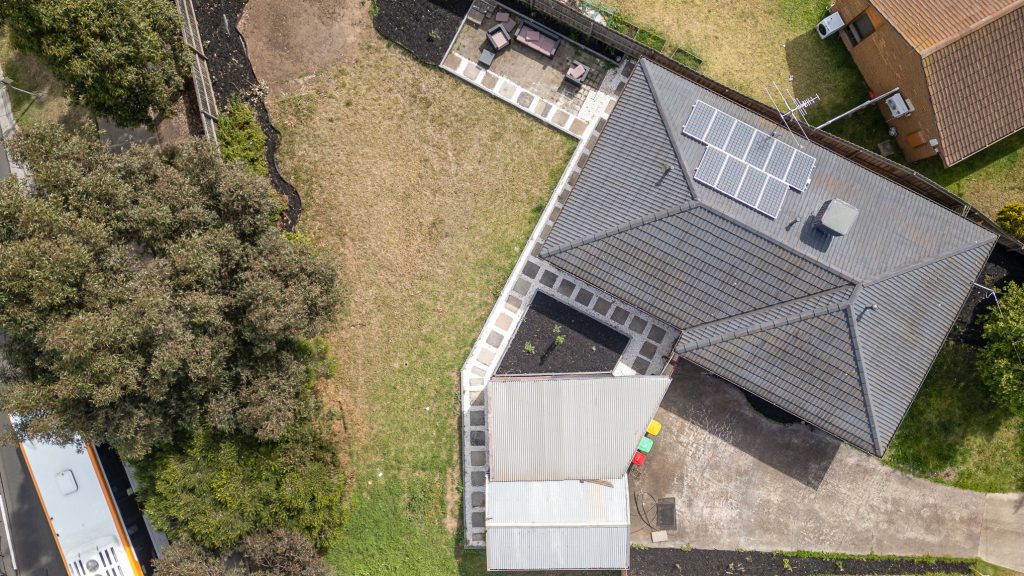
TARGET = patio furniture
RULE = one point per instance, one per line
(499, 38)
(486, 58)
(503, 17)
(531, 36)
(577, 73)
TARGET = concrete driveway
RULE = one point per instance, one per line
(743, 481)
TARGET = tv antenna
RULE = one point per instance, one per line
(796, 109)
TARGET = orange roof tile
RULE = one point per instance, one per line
(928, 25)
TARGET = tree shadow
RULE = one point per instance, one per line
(720, 408)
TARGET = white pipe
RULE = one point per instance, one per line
(7, 531)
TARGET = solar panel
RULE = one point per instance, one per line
(714, 127)
(741, 181)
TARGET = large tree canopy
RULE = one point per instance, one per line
(144, 296)
(1000, 362)
(119, 58)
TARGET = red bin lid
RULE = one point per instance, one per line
(639, 458)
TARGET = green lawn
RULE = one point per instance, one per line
(425, 190)
(955, 435)
(754, 45)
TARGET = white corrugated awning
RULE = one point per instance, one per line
(568, 428)
(558, 525)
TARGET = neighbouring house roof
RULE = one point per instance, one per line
(839, 331)
(973, 60)
(568, 428)
(560, 525)
(930, 24)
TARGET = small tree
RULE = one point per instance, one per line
(119, 58)
(184, 558)
(241, 138)
(1000, 359)
(282, 553)
(1011, 218)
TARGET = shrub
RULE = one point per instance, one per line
(1000, 359)
(1011, 218)
(241, 138)
(218, 490)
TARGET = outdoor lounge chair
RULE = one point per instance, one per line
(577, 73)
(499, 38)
(531, 36)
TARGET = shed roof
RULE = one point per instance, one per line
(558, 525)
(568, 428)
(839, 331)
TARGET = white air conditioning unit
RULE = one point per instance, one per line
(898, 106)
(830, 25)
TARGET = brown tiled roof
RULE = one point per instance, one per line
(977, 85)
(928, 25)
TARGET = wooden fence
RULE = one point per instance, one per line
(570, 17)
(200, 72)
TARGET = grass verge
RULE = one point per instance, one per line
(954, 434)
(29, 73)
(425, 190)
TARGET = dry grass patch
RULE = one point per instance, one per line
(29, 73)
(425, 190)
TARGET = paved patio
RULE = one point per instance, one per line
(742, 481)
(533, 82)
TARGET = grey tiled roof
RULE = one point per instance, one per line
(840, 332)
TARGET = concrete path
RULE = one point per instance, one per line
(742, 481)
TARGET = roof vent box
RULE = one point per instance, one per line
(837, 217)
(830, 25)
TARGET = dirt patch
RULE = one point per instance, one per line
(290, 42)
(664, 561)
(554, 338)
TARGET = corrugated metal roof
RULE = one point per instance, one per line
(772, 304)
(976, 85)
(929, 24)
(568, 428)
(559, 525)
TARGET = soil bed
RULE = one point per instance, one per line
(1002, 267)
(588, 346)
(424, 27)
(232, 75)
(669, 561)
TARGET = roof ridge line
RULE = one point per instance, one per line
(671, 139)
(946, 42)
(865, 388)
(635, 223)
(791, 319)
(928, 262)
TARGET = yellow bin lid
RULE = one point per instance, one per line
(654, 427)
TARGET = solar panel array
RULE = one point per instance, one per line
(737, 179)
(745, 163)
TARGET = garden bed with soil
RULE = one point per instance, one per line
(424, 27)
(232, 75)
(671, 561)
(554, 338)
(1003, 266)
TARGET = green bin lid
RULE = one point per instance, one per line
(645, 445)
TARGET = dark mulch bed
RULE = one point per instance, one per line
(671, 561)
(1002, 267)
(424, 27)
(769, 410)
(589, 345)
(233, 75)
